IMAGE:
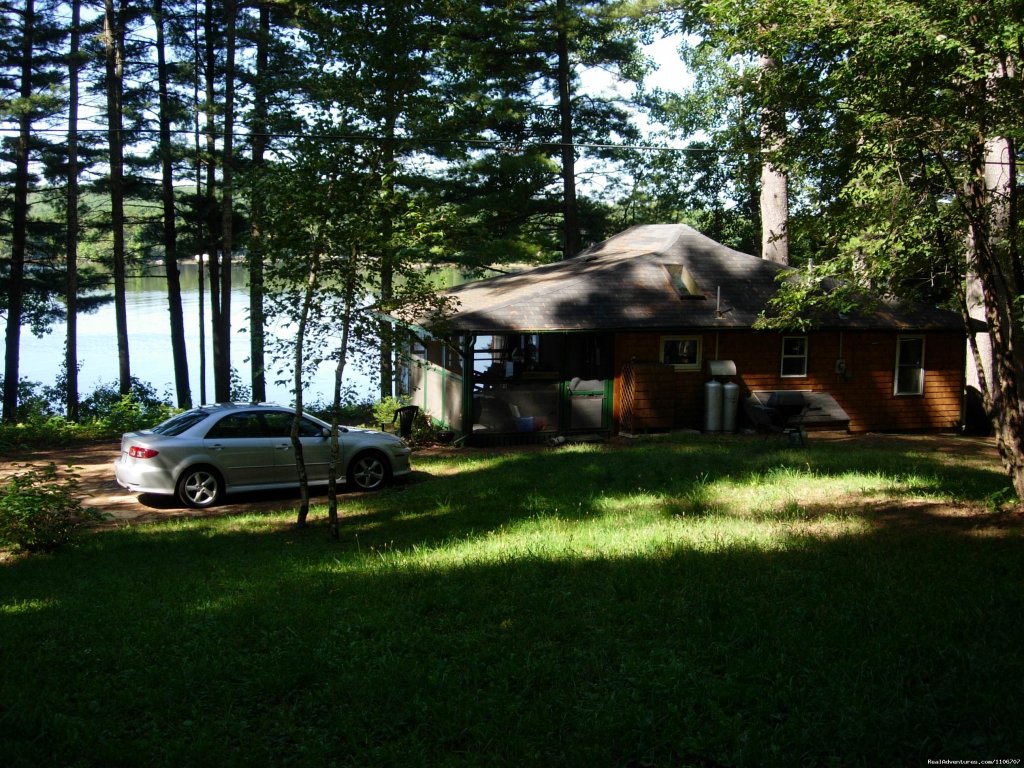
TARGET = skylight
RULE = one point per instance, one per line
(682, 281)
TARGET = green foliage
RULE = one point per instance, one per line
(99, 403)
(128, 415)
(384, 410)
(353, 412)
(424, 432)
(810, 296)
(680, 601)
(104, 414)
(240, 391)
(48, 432)
(40, 510)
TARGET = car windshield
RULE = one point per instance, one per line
(178, 424)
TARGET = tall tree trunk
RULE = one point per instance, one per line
(213, 220)
(998, 179)
(19, 235)
(113, 38)
(980, 361)
(774, 180)
(178, 350)
(222, 334)
(71, 254)
(300, 339)
(339, 376)
(570, 207)
(774, 213)
(995, 263)
(387, 230)
(257, 317)
(387, 351)
(202, 231)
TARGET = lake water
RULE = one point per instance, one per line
(149, 340)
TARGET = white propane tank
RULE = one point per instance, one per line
(730, 405)
(713, 406)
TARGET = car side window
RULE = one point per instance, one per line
(309, 428)
(180, 423)
(280, 425)
(237, 426)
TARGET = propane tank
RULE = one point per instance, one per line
(730, 405)
(713, 406)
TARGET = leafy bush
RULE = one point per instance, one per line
(128, 415)
(103, 401)
(104, 413)
(240, 392)
(39, 508)
(424, 431)
(353, 412)
(384, 410)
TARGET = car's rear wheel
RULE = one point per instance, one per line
(199, 487)
(369, 471)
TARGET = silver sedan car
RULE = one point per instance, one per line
(200, 455)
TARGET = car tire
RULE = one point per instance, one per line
(369, 471)
(199, 487)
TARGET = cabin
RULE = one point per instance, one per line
(626, 336)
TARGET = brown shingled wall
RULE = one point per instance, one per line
(864, 390)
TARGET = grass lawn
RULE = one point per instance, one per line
(681, 601)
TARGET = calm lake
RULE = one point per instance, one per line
(149, 341)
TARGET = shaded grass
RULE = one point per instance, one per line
(661, 605)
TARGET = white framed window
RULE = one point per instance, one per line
(909, 379)
(684, 352)
(794, 356)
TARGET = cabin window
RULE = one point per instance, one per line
(909, 365)
(681, 351)
(794, 356)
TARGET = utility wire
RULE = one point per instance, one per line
(356, 138)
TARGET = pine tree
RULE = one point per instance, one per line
(29, 75)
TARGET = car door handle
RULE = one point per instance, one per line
(282, 446)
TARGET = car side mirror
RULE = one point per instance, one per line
(325, 432)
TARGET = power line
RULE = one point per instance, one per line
(358, 138)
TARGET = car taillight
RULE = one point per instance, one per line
(138, 452)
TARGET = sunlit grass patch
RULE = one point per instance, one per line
(17, 607)
(680, 601)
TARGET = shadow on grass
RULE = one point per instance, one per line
(242, 642)
(497, 489)
(236, 647)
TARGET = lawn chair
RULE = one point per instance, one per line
(405, 416)
(781, 413)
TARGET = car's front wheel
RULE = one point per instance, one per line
(199, 487)
(368, 471)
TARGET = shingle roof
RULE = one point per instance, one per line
(648, 277)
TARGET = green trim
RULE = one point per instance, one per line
(467, 385)
(564, 420)
(565, 404)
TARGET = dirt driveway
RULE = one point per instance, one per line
(94, 465)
